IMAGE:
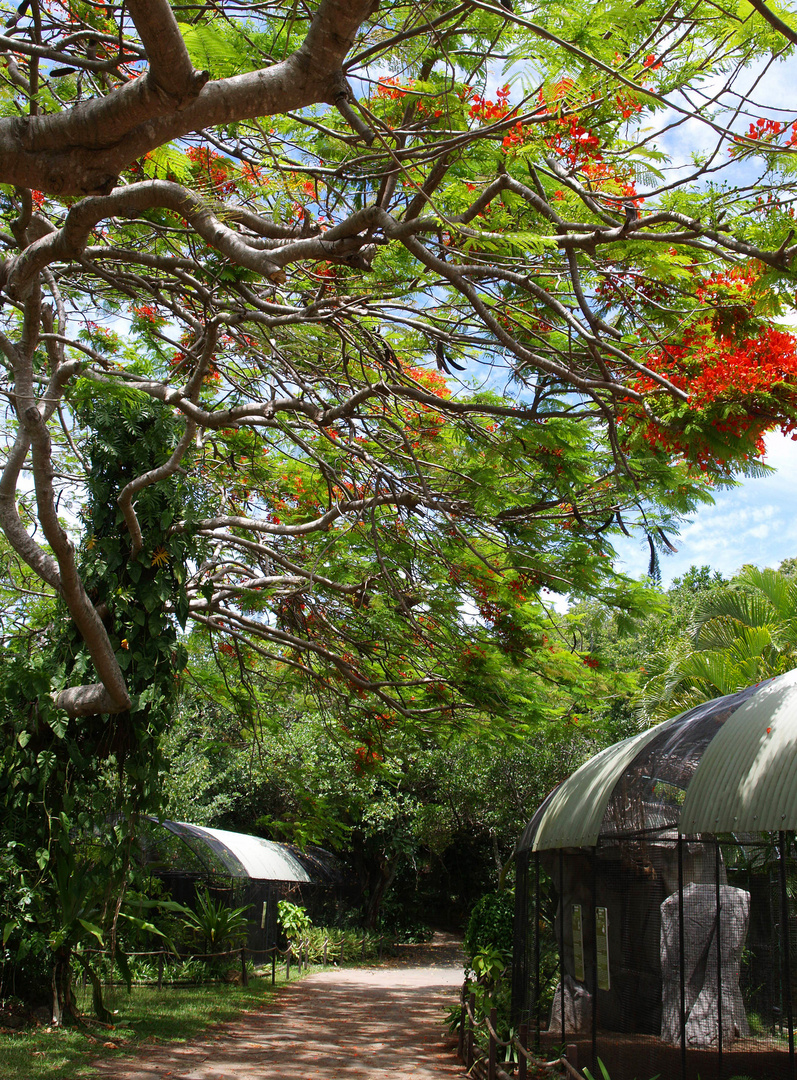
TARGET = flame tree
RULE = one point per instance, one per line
(343, 331)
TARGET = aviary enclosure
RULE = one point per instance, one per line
(656, 902)
(245, 871)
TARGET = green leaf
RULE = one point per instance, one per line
(211, 48)
(169, 162)
(92, 929)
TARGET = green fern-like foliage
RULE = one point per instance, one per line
(738, 636)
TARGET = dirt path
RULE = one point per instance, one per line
(355, 1024)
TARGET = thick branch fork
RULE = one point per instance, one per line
(83, 150)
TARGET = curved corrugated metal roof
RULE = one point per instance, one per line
(244, 856)
(742, 774)
(572, 814)
(747, 778)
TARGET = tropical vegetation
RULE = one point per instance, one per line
(336, 341)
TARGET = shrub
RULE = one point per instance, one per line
(490, 925)
(293, 920)
(216, 923)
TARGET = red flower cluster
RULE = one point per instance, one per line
(574, 142)
(146, 312)
(727, 359)
(390, 88)
(764, 130)
(252, 174)
(516, 136)
(212, 166)
(627, 105)
(482, 109)
(432, 381)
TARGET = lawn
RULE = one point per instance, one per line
(146, 1015)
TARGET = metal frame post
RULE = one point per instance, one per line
(681, 950)
(717, 866)
(522, 1061)
(492, 1052)
(595, 959)
(463, 1015)
(537, 951)
(785, 946)
(562, 940)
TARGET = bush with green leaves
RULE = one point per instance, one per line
(324, 944)
(490, 924)
(215, 923)
(320, 944)
(294, 922)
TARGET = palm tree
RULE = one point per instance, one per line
(738, 636)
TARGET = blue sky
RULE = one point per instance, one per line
(753, 523)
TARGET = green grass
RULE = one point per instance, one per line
(148, 1015)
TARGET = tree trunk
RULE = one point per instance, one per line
(387, 873)
(62, 988)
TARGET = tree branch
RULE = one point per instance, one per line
(82, 150)
(774, 21)
(170, 67)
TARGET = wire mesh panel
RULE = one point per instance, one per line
(523, 937)
(762, 870)
(664, 955)
(676, 939)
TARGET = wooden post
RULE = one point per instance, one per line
(463, 1014)
(472, 1004)
(492, 1060)
(326, 942)
(342, 939)
(244, 970)
(522, 1062)
(288, 965)
(160, 970)
(274, 966)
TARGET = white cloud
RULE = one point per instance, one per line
(753, 523)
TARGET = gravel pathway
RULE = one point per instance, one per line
(355, 1024)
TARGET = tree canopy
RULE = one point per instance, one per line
(334, 338)
(432, 312)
